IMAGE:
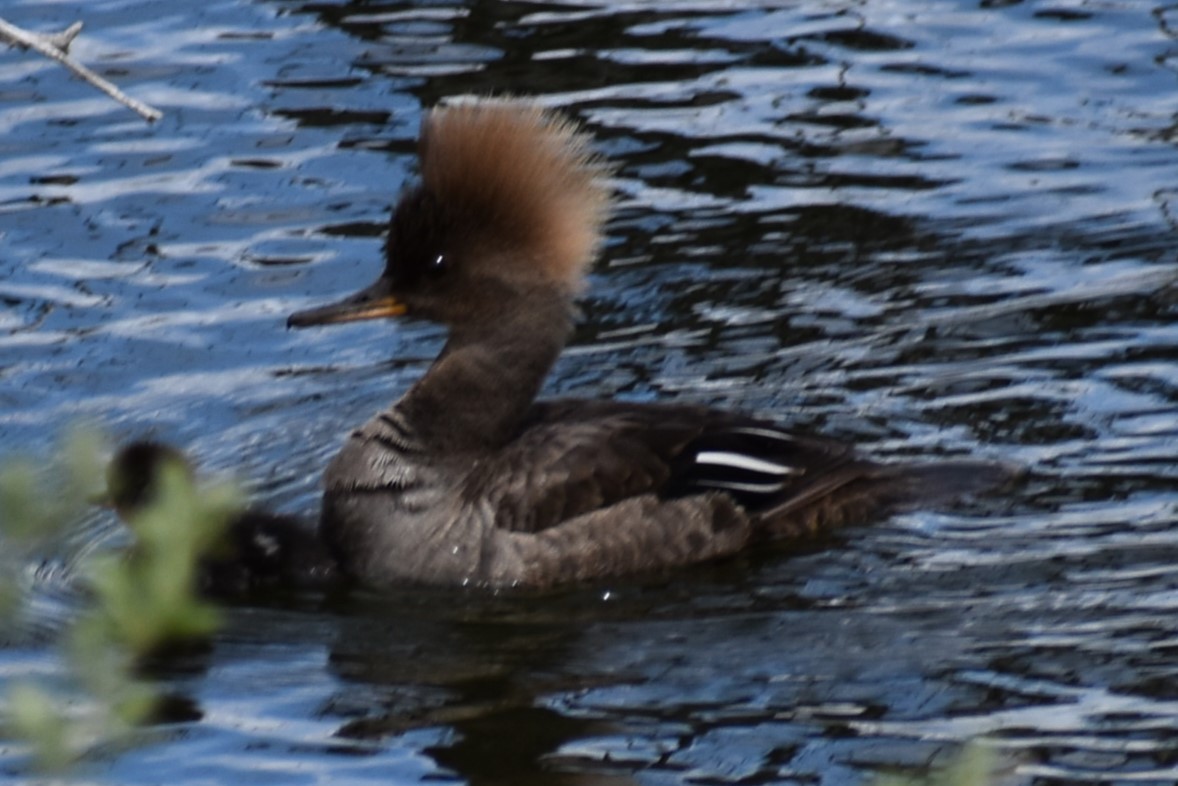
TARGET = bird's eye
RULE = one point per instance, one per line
(437, 266)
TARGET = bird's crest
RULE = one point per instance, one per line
(526, 175)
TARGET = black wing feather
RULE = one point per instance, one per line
(572, 457)
(756, 463)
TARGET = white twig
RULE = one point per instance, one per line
(56, 47)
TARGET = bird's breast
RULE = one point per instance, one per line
(392, 515)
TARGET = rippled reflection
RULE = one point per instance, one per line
(932, 228)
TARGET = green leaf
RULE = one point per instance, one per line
(32, 715)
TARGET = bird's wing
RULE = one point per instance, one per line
(576, 457)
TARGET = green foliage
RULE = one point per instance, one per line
(35, 505)
(974, 766)
(137, 602)
(146, 599)
(32, 715)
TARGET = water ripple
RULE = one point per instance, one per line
(930, 228)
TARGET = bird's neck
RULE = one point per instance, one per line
(474, 396)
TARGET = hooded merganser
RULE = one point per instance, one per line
(467, 479)
(256, 551)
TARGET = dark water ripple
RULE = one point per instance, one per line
(933, 228)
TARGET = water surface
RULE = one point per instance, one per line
(931, 228)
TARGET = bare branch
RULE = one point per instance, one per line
(56, 47)
(63, 39)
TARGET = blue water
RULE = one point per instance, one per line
(931, 228)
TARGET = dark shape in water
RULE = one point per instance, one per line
(257, 551)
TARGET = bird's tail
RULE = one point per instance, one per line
(862, 493)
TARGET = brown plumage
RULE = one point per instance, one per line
(466, 479)
(518, 177)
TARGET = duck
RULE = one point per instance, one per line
(469, 479)
(256, 552)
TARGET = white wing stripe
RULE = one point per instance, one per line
(765, 433)
(726, 458)
(749, 488)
